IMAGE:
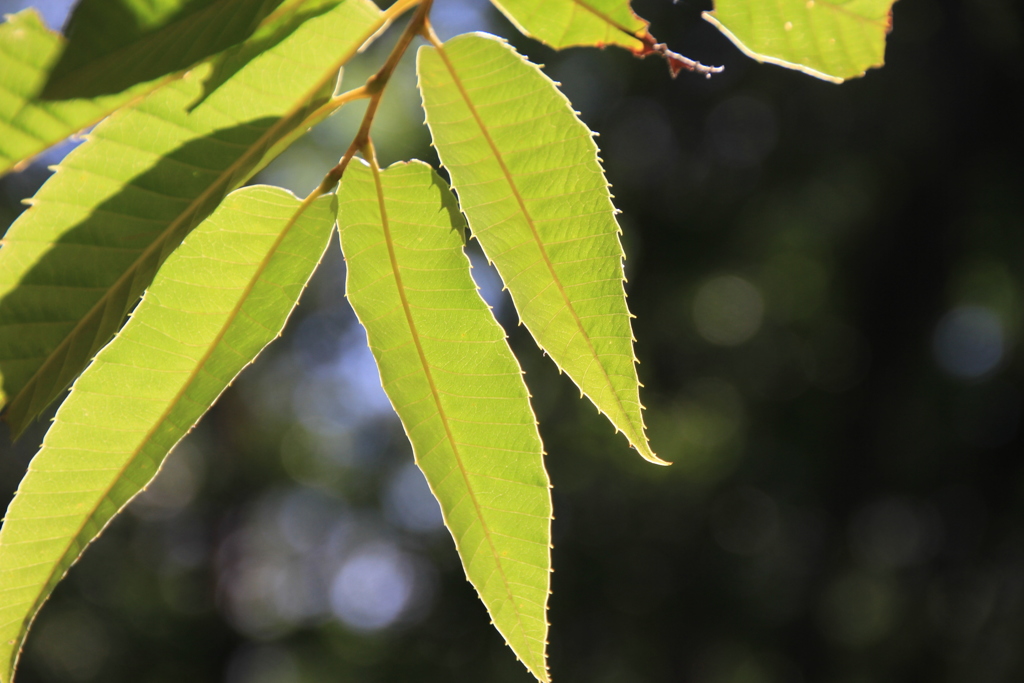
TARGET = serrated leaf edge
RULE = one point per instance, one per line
(641, 445)
(73, 538)
(21, 164)
(543, 676)
(19, 423)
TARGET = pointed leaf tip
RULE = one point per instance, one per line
(447, 368)
(546, 221)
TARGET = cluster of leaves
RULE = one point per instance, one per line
(149, 216)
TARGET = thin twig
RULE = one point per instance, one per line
(676, 62)
(374, 88)
(339, 101)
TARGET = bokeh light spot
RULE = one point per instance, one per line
(703, 435)
(969, 342)
(373, 587)
(727, 310)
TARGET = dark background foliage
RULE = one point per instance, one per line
(828, 289)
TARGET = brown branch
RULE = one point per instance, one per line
(676, 62)
(374, 88)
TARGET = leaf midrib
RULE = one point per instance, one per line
(407, 310)
(624, 416)
(32, 384)
(200, 365)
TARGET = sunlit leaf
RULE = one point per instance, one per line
(528, 178)
(28, 50)
(114, 44)
(594, 23)
(830, 39)
(29, 126)
(566, 23)
(217, 301)
(451, 376)
(75, 262)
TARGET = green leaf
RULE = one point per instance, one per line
(528, 178)
(456, 386)
(28, 50)
(274, 29)
(830, 39)
(27, 125)
(216, 303)
(75, 262)
(596, 23)
(568, 23)
(115, 44)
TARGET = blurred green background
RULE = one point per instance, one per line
(828, 289)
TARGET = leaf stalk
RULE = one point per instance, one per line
(374, 89)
